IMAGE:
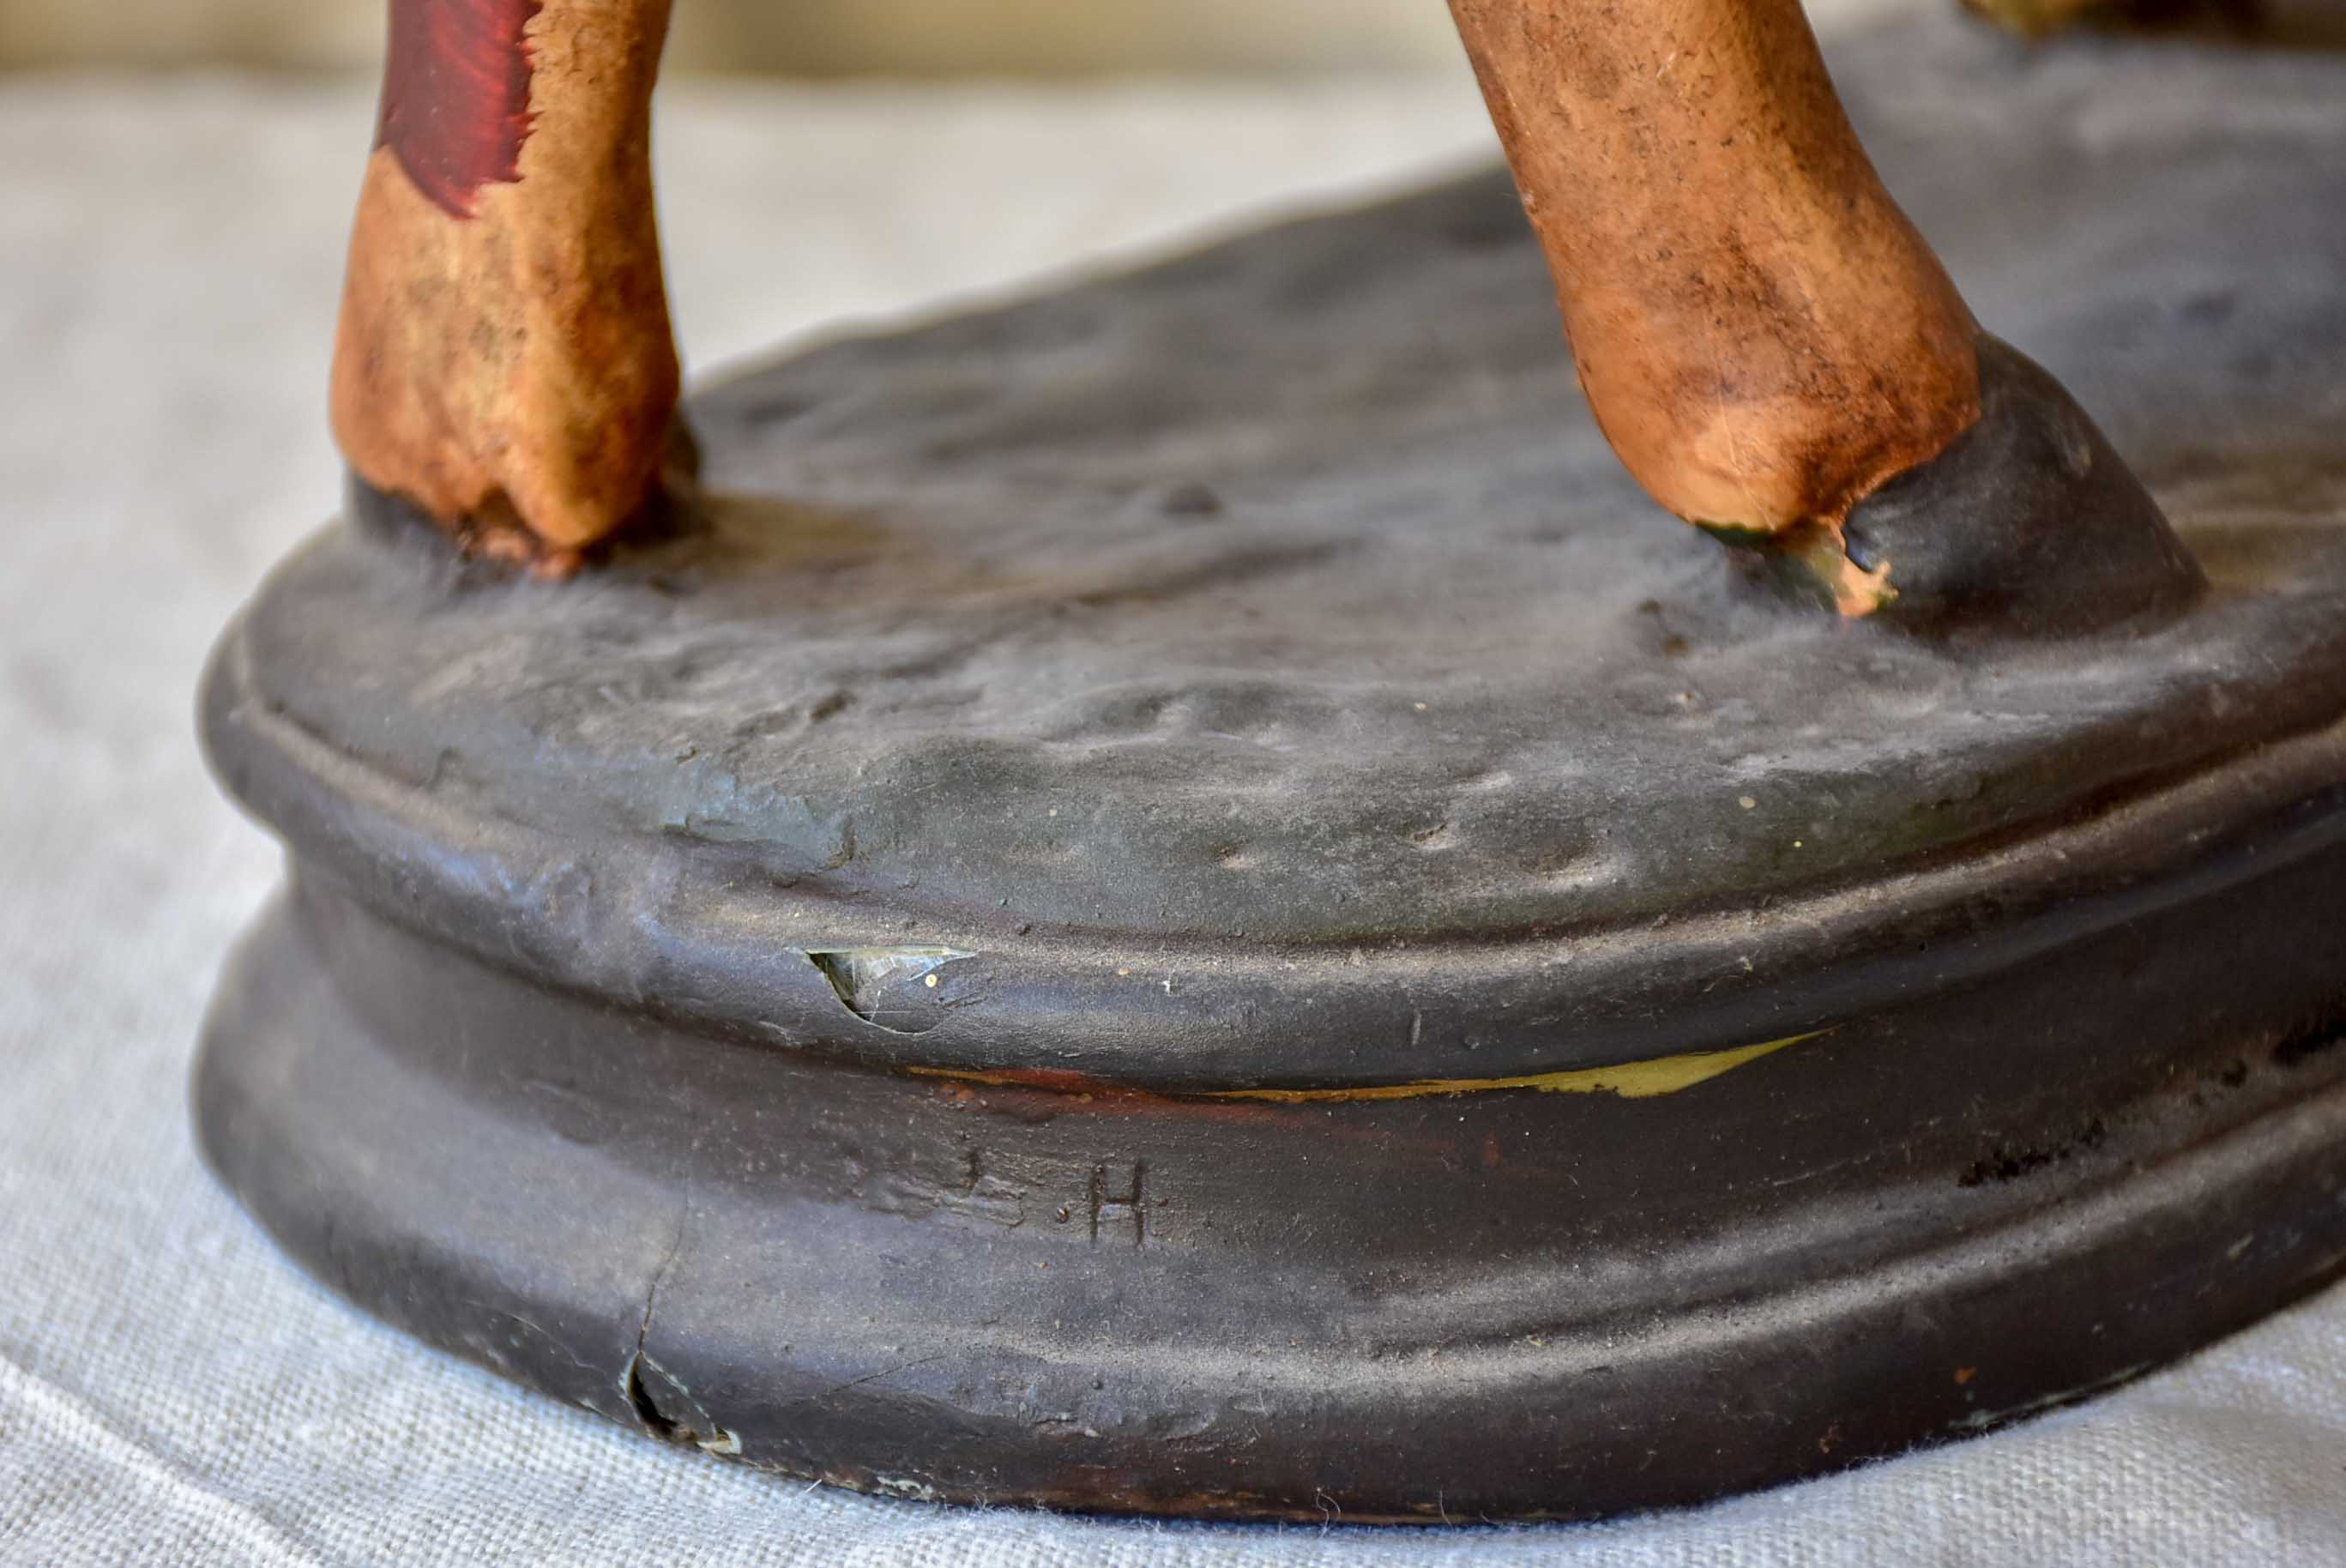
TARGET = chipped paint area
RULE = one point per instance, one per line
(693, 1424)
(907, 1488)
(1987, 1420)
(866, 979)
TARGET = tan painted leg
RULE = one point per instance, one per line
(1762, 336)
(505, 359)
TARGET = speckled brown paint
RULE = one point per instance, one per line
(504, 359)
(1763, 337)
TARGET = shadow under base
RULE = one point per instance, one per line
(1176, 899)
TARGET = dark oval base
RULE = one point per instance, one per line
(1175, 899)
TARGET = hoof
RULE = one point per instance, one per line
(2030, 523)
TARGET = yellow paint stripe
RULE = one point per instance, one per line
(1629, 1080)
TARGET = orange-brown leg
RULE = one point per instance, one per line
(504, 359)
(1763, 336)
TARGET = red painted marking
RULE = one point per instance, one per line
(455, 94)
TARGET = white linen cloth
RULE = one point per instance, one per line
(173, 1391)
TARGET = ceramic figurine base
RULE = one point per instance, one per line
(1178, 899)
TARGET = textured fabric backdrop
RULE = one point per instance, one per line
(171, 1390)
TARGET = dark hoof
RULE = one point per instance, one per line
(2030, 523)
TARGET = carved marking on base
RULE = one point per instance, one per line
(1113, 1209)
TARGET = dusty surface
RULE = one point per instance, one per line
(1289, 591)
(1208, 733)
(174, 1389)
